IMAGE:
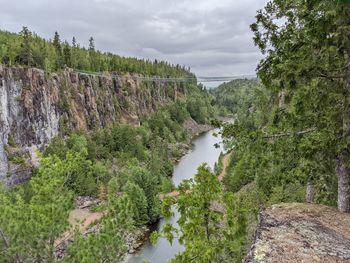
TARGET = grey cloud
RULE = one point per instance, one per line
(210, 36)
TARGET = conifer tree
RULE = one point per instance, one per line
(91, 44)
(309, 58)
(67, 55)
(58, 50)
(208, 234)
(74, 42)
(25, 55)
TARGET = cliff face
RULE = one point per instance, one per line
(296, 233)
(34, 108)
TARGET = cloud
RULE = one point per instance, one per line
(210, 36)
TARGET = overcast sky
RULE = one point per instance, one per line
(210, 36)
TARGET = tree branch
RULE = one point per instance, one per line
(285, 134)
(322, 75)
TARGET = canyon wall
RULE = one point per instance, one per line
(35, 107)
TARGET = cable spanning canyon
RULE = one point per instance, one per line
(169, 78)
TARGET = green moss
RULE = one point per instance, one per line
(11, 141)
(19, 98)
(81, 88)
(94, 84)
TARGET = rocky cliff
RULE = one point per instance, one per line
(296, 233)
(35, 107)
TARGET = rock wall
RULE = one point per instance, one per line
(35, 107)
(296, 233)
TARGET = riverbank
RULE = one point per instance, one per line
(203, 151)
(194, 130)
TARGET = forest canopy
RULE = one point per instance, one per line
(28, 49)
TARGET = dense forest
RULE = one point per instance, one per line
(27, 48)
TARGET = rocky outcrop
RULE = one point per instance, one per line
(194, 129)
(136, 238)
(301, 233)
(35, 107)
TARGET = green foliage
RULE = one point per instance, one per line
(199, 104)
(82, 175)
(292, 127)
(208, 234)
(306, 64)
(29, 49)
(293, 192)
(142, 154)
(20, 160)
(108, 244)
(79, 176)
(25, 54)
(139, 202)
(148, 184)
(39, 218)
(11, 141)
(178, 112)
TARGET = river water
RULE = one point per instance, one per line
(203, 151)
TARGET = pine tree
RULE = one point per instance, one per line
(138, 201)
(203, 226)
(58, 49)
(25, 55)
(67, 55)
(74, 42)
(29, 228)
(91, 44)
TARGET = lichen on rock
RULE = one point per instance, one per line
(301, 233)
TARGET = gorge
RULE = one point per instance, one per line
(35, 108)
(95, 147)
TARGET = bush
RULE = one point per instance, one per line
(239, 174)
(178, 112)
(293, 192)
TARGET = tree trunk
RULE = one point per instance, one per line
(281, 99)
(343, 185)
(310, 193)
(341, 168)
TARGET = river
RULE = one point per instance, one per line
(203, 151)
